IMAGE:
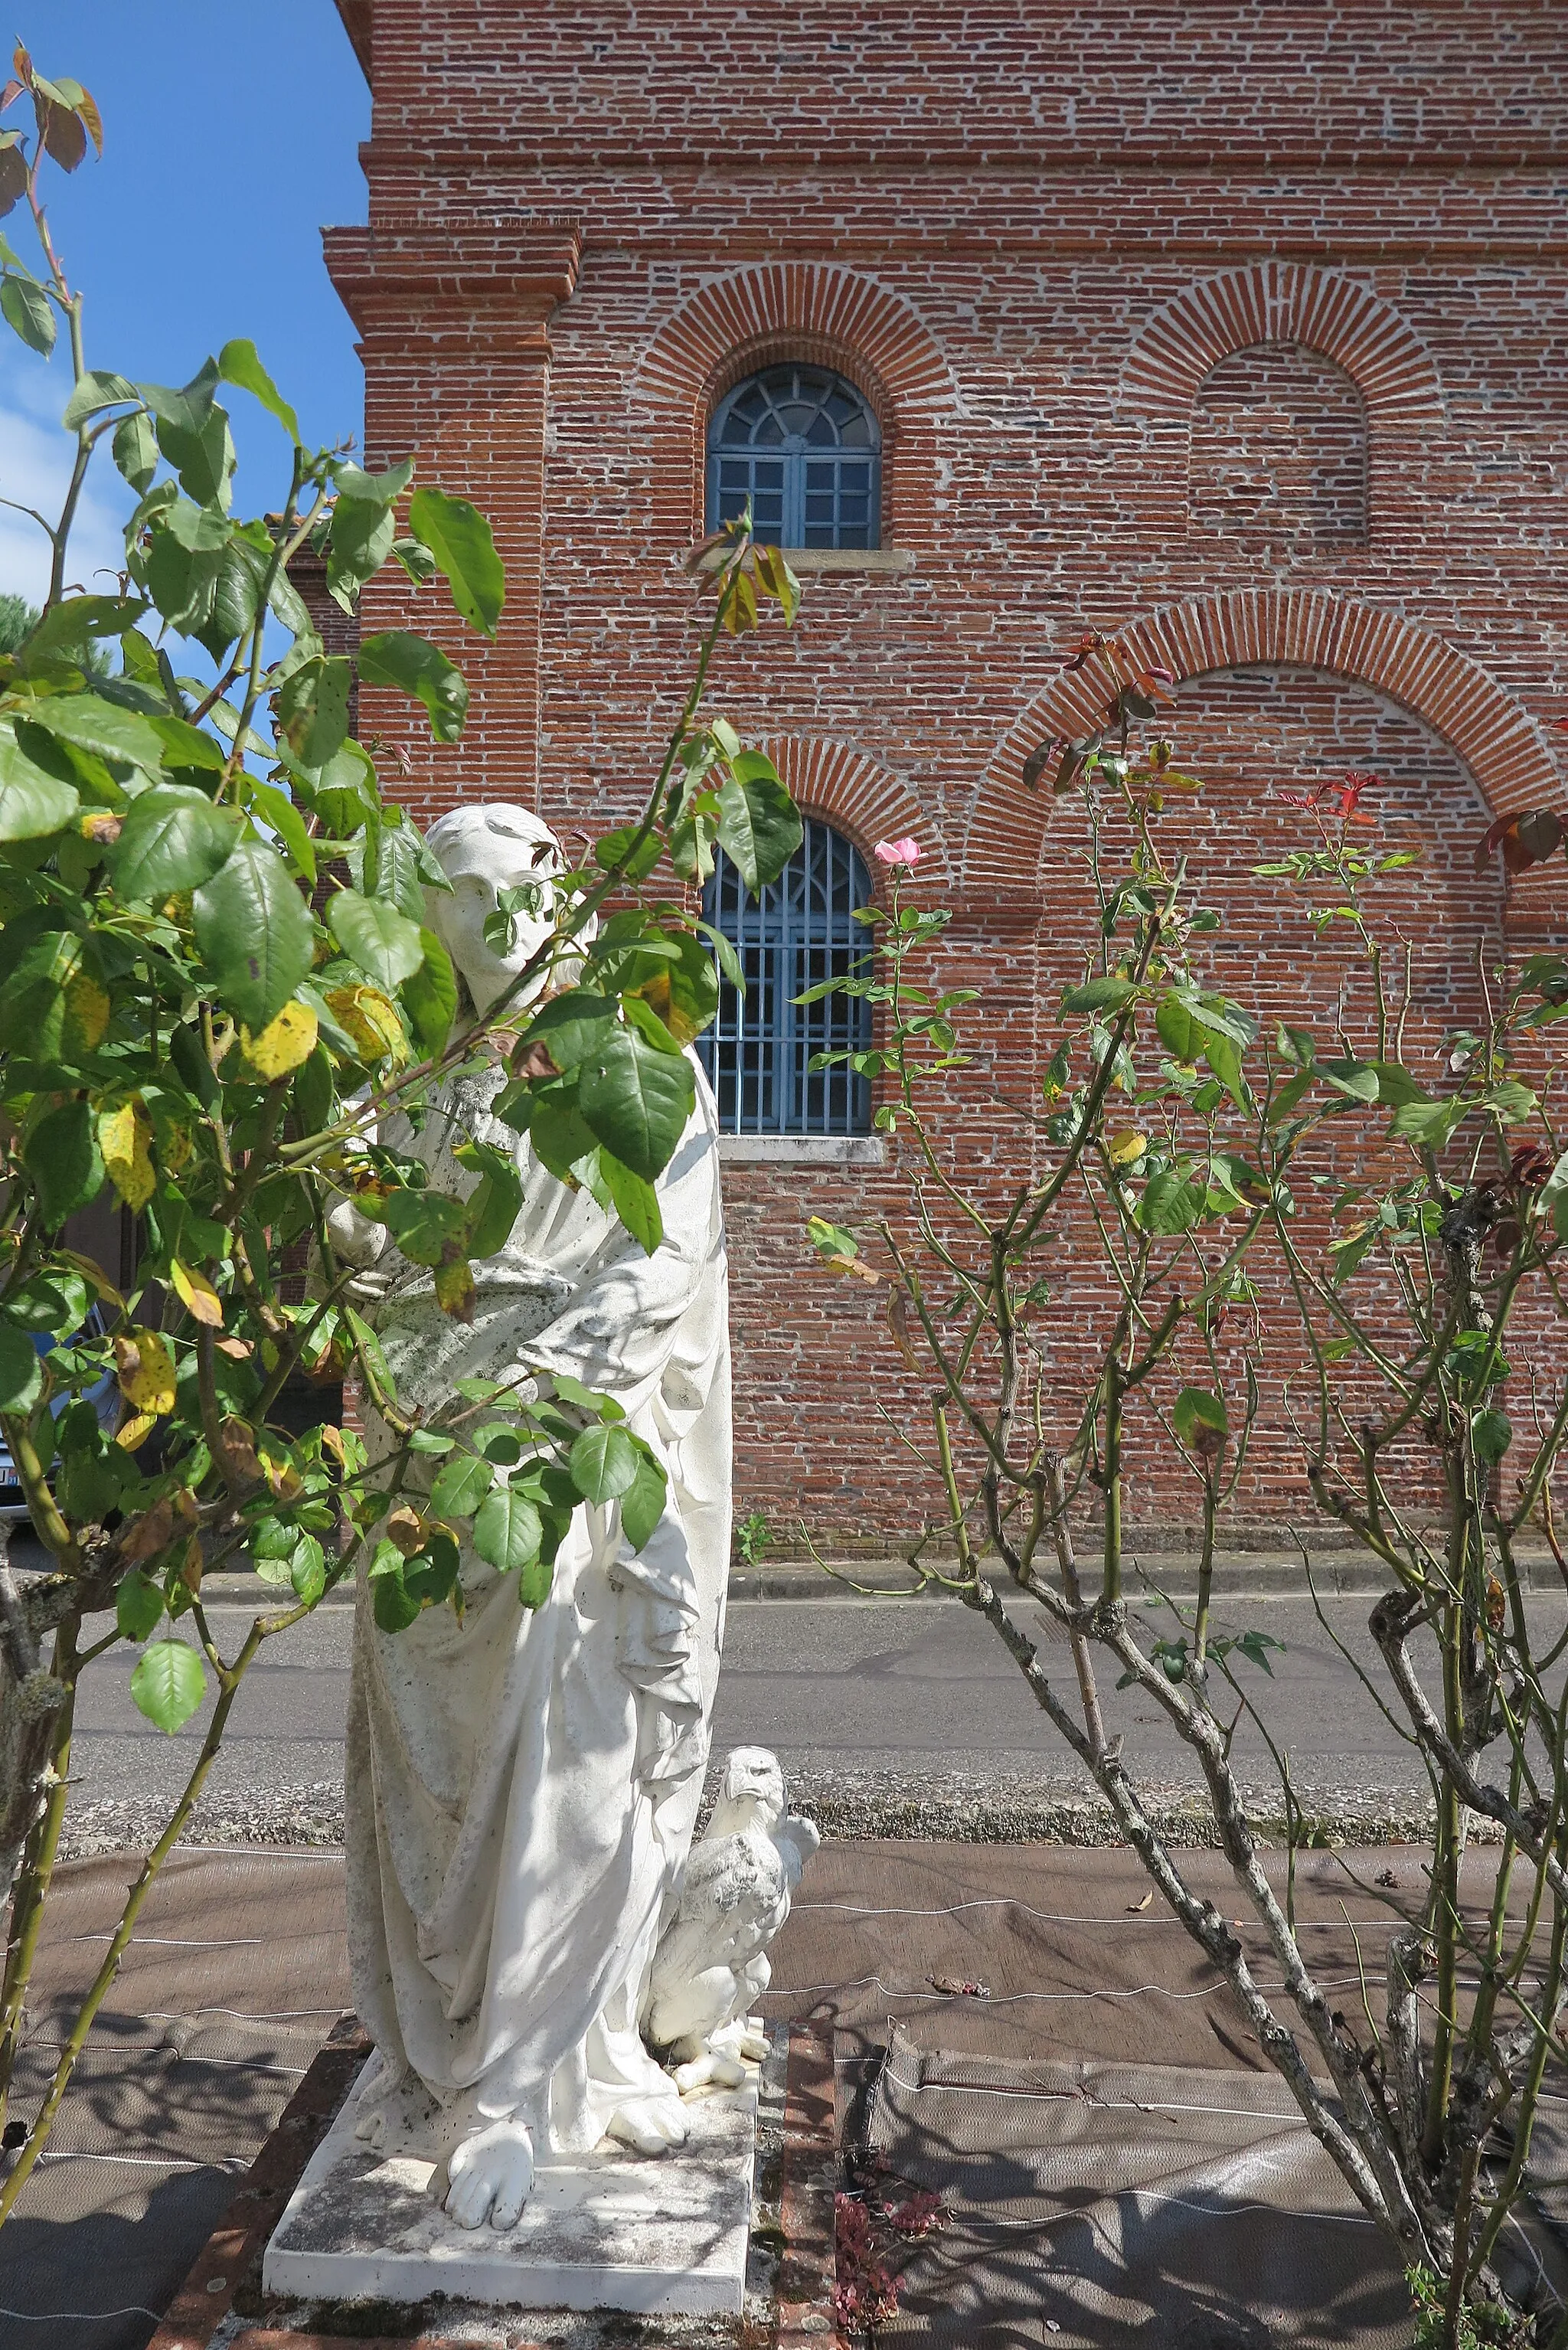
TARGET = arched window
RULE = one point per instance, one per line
(802, 930)
(803, 445)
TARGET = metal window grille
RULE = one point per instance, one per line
(803, 446)
(800, 931)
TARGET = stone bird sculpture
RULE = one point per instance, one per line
(711, 1961)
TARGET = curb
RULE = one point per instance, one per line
(1260, 1577)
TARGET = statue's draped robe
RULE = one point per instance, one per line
(522, 1787)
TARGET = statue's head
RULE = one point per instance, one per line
(484, 850)
(754, 1782)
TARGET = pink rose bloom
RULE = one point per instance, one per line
(898, 852)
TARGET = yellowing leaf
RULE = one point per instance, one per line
(282, 1043)
(197, 1295)
(133, 1433)
(372, 1022)
(145, 1368)
(86, 1013)
(176, 1142)
(1128, 1147)
(237, 1453)
(455, 1289)
(405, 1528)
(855, 1265)
(125, 1137)
(93, 1273)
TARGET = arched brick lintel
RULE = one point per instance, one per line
(1282, 302)
(818, 311)
(855, 793)
(1292, 626)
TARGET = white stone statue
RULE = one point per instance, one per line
(522, 1787)
(711, 1961)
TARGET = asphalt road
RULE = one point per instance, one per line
(915, 1693)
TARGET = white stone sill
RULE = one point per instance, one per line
(883, 559)
(802, 1150)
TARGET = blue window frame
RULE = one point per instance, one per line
(803, 445)
(800, 931)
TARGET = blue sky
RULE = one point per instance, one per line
(231, 137)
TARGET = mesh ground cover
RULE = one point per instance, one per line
(238, 1973)
(1075, 1962)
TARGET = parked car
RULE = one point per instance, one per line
(104, 1397)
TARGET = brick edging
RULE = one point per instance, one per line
(805, 2274)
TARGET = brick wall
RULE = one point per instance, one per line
(1240, 329)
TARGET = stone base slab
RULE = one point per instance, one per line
(609, 2230)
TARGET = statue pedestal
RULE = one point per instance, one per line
(609, 2230)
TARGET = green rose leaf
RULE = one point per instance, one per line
(307, 1570)
(383, 942)
(169, 1684)
(635, 1202)
(460, 1485)
(205, 460)
(495, 1204)
(33, 804)
(459, 538)
(1396, 1086)
(99, 726)
(1196, 1412)
(21, 1370)
(188, 409)
(238, 365)
(1431, 1123)
(1105, 994)
(416, 667)
(62, 1156)
(635, 1100)
(430, 1227)
(759, 825)
(571, 1027)
(1492, 1433)
(27, 309)
(254, 932)
(174, 839)
(1172, 1203)
(507, 1530)
(394, 1605)
(313, 708)
(375, 489)
(604, 1461)
(430, 995)
(138, 1607)
(97, 389)
(642, 1503)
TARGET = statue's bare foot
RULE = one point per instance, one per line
(489, 2175)
(651, 2126)
(396, 2111)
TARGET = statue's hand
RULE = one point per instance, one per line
(489, 2175)
(356, 1241)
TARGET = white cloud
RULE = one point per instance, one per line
(36, 459)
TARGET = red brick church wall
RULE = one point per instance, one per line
(1237, 329)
